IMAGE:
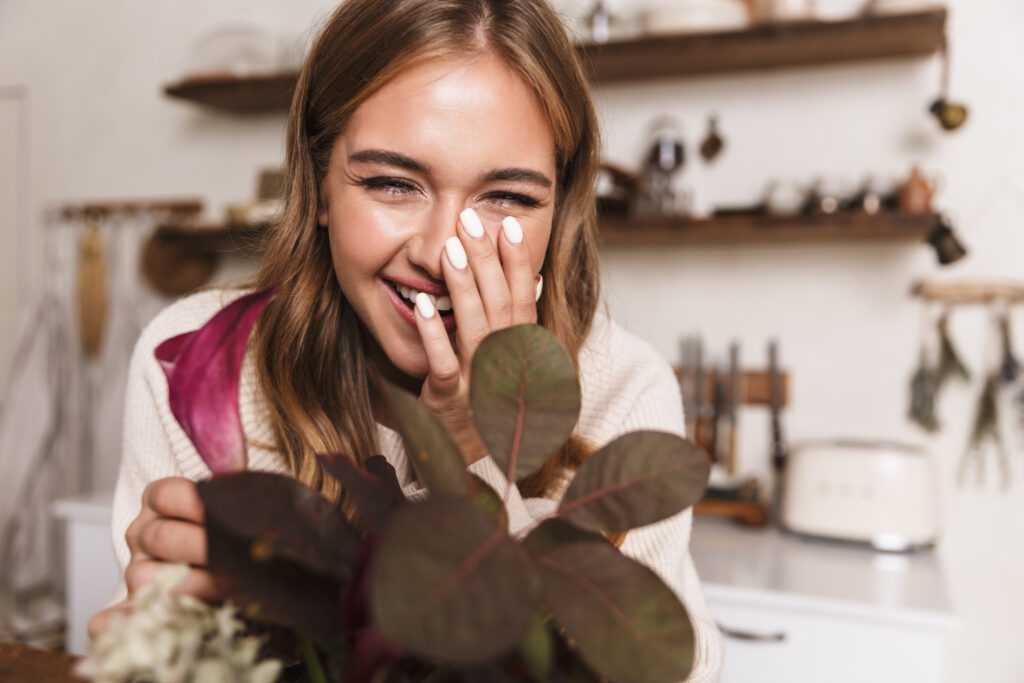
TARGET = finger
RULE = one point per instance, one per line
(198, 583)
(174, 541)
(101, 620)
(175, 497)
(471, 324)
(445, 374)
(134, 530)
(515, 259)
(487, 271)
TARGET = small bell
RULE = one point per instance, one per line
(950, 115)
(713, 143)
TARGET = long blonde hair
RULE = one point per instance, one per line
(311, 350)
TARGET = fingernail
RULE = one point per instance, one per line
(472, 223)
(539, 289)
(424, 305)
(456, 254)
(513, 231)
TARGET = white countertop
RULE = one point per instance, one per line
(770, 568)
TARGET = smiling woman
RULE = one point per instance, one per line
(441, 165)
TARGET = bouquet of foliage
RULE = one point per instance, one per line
(439, 590)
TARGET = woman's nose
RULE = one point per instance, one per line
(426, 245)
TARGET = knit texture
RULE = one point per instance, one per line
(626, 386)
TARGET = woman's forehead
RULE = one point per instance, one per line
(473, 111)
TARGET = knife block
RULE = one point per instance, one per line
(755, 390)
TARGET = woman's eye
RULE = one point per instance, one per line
(393, 186)
(513, 198)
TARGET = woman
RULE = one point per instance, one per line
(441, 162)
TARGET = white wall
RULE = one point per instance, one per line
(101, 128)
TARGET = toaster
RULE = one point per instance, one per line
(874, 492)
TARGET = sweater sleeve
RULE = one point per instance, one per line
(146, 455)
(154, 445)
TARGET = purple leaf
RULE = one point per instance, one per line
(203, 368)
(450, 585)
(375, 490)
(279, 549)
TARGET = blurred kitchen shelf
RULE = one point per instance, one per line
(765, 46)
(626, 231)
(847, 226)
(769, 46)
(238, 94)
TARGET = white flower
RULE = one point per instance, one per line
(171, 638)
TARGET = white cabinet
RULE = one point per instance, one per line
(92, 571)
(796, 610)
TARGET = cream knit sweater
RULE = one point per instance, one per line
(626, 386)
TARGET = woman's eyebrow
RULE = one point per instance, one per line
(389, 158)
(383, 156)
(521, 175)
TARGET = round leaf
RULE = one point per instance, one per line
(637, 479)
(434, 456)
(449, 585)
(524, 395)
(626, 623)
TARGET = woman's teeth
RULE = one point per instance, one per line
(441, 303)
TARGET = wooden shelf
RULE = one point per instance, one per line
(626, 231)
(852, 226)
(766, 46)
(250, 94)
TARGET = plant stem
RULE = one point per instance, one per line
(314, 668)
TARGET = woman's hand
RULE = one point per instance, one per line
(492, 286)
(169, 529)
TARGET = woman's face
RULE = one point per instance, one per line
(441, 137)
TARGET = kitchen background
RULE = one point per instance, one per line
(83, 116)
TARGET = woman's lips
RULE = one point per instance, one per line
(406, 312)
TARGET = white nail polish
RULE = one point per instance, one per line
(539, 289)
(424, 305)
(472, 223)
(456, 253)
(513, 231)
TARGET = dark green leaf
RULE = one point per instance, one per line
(637, 479)
(280, 549)
(627, 624)
(525, 397)
(376, 493)
(449, 585)
(433, 455)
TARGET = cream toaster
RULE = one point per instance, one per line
(880, 493)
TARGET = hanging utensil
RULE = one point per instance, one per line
(950, 366)
(985, 429)
(923, 387)
(713, 144)
(950, 115)
(1009, 368)
(93, 293)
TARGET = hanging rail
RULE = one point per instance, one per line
(958, 292)
(179, 207)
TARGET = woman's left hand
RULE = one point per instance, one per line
(492, 286)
